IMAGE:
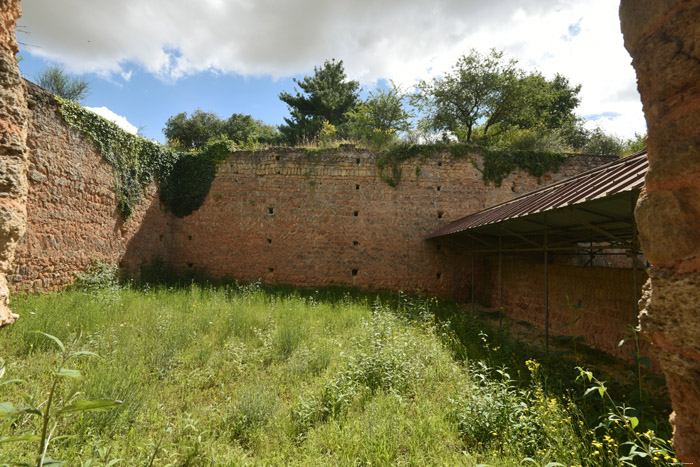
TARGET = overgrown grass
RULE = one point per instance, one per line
(237, 375)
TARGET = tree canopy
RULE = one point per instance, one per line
(54, 79)
(487, 94)
(380, 118)
(327, 96)
(195, 131)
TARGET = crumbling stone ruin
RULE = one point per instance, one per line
(663, 38)
(13, 151)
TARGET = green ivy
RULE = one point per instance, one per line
(187, 185)
(136, 161)
(497, 164)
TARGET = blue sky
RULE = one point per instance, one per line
(147, 61)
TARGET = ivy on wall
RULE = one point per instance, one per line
(136, 161)
(187, 185)
(497, 164)
(184, 178)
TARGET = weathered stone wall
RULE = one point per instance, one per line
(663, 38)
(13, 151)
(318, 219)
(72, 216)
(602, 298)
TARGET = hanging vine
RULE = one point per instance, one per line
(136, 161)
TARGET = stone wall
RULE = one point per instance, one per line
(72, 216)
(311, 219)
(13, 151)
(663, 38)
(602, 298)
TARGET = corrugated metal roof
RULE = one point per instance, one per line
(624, 175)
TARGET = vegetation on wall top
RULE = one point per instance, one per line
(136, 161)
(187, 185)
(497, 164)
(184, 177)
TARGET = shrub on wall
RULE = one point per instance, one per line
(499, 164)
(186, 186)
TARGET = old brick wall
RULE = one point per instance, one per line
(309, 219)
(72, 216)
(602, 297)
(13, 151)
(663, 38)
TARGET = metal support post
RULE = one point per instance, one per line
(500, 282)
(473, 298)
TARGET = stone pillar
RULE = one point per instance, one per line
(663, 37)
(13, 151)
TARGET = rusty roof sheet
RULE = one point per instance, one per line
(623, 175)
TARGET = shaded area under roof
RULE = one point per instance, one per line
(593, 206)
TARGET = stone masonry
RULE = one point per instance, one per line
(13, 151)
(663, 38)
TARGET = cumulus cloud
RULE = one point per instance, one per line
(402, 40)
(122, 122)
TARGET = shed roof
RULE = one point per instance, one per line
(593, 206)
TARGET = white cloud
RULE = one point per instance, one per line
(122, 122)
(392, 39)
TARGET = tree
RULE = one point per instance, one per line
(544, 103)
(326, 96)
(195, 131)
(486, 95)
(380, 118)
(606, 145)
(54, 79)
(478, 88)
(636, 144)
(245, 131)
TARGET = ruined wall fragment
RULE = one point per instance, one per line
(663, 38)
(13, 151)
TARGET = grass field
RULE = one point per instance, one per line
(238, 375)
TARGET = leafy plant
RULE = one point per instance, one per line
(136, 161)
(100, 274)
(186, 186)
(380, 118)
(48, 414)
(55, 79)
(616, 438)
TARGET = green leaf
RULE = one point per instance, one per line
(68, 373)
(589, 390)
(13, 439)
(634, 421)
(91, 406)
(10, 381)
(7, 410)
(48, 462)
(53, 338)
(83, 352)
(32, 411)
(644, 361)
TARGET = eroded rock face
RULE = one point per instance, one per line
(13, 151)
(663, 37)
